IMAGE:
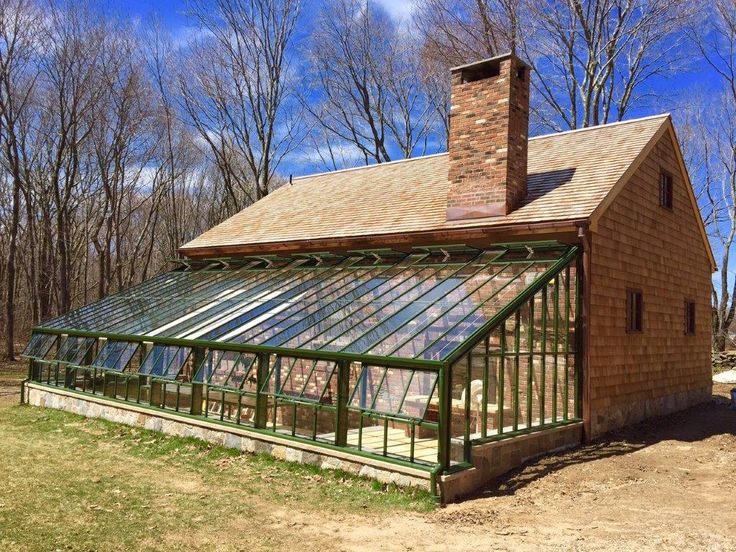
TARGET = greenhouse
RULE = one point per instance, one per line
(411, 357)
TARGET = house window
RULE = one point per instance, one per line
(634, 311)
(689, 318)
(665, 190)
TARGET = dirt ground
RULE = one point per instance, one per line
(666, 484)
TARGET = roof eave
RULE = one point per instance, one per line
(395, 240)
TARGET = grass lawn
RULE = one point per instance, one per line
(72, 483)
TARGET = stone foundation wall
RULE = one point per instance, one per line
(614, 417)
(240, 439)
(493, 459)
(490, 460)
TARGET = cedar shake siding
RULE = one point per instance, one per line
(642, 245)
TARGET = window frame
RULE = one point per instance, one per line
(634, 318)
(690, 317)
(666, 190)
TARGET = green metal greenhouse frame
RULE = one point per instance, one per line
(412, 358)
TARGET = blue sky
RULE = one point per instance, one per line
(674, 94)
(695, 79)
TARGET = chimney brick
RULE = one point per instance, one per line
(489, 125)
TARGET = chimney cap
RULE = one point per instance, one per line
(488, 61)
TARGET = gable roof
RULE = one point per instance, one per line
(570, 176)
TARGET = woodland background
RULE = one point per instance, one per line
(121, 140)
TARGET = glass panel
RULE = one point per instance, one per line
(243, 373)
(422, 390)
(417, 306)
(364, 392)
(115, 355)
(39, 345)
(165, 361)
(74, 349)
(321, 386)
(216, 367)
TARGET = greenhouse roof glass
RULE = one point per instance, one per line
(419, 306)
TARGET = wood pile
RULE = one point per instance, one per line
(724, 360)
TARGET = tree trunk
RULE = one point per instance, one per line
(10, 274)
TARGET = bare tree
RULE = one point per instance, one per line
(593, 59)
(238, 90)
(18, 39)
(459, 31)
(365, 76)
(713, 156)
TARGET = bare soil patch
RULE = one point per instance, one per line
(665, 484)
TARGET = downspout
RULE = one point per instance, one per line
(25, 381)
(584, 338)
(434, 474)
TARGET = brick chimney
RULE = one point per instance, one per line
(489, 123)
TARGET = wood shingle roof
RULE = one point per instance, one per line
(569, 176)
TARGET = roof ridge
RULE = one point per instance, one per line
(605, 125)
(431, 155)
(374, 165)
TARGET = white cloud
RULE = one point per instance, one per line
(186, 34)
(315, 159)
(400, 10)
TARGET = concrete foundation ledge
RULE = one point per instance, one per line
(490, 460)
(237, 438)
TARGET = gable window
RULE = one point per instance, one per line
(689, 318)
(665, 190)
(634, 311)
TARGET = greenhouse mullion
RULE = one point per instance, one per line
(340, 317)
(517, 344)
(306, 380)
(378, 387)
(83, 312)
(348, 280)
(238, 296)
(236, 362)
(565, 415)
(119, 311)
(328, 379)
(543, 364)
(406, 392)
(338, 306)
(201, 306)
(248, 370)
(530, 366)
(430, 321)
(486, 384)
(233, 326)
(556, 310)
(203, 293)
(478, 307)
(300, 283)
(392, 328)
(376, 300)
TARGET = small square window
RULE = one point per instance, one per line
(634, 311)
(665, 190)
(689, 318)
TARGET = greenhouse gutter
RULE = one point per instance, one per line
(311, 354)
